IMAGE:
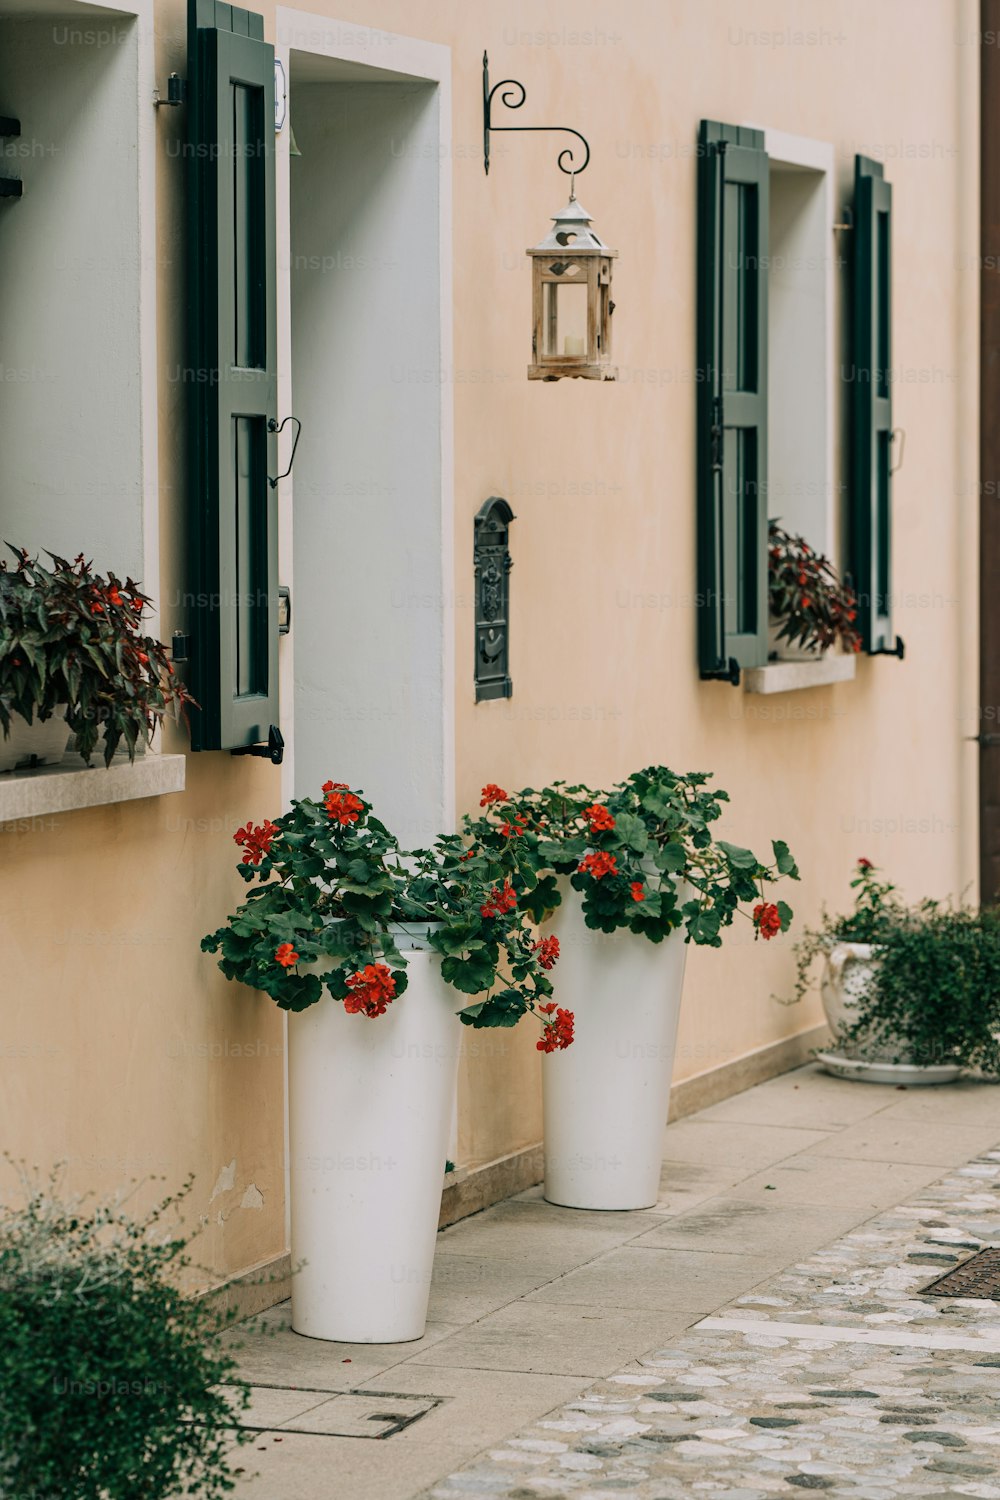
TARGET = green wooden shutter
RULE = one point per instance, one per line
(234, 510)
(732, 399)
(871, 409)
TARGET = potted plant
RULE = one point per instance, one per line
(911, 994)
(115, 1384)
(810, 608)
(625, 880)
(73, 658)
(369, 950)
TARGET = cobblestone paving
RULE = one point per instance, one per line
(756, 1409)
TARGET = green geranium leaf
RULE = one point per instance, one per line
(783, 859)
(740, 859)
(470, 975)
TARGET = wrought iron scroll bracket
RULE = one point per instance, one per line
(512, 94)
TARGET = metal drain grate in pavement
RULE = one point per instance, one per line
(323, 1413)
(979, 1276)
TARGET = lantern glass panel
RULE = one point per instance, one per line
(564, 318)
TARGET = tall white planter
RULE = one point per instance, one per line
(606, 1097)
(370, 1106)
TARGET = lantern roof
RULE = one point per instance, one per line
(571, 231)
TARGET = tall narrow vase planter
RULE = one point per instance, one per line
(370, 1106)
(606, 1098)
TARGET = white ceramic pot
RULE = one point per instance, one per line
(42, 742)
(606, 1097)
(370, 1107)
(848, 971)
(786, 650)
(848, 974)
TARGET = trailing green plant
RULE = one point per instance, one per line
(934, 995)
(643, 856)
(70, 636)
(330, 892)
(114, 1382)
(811, 603)
(878, 913)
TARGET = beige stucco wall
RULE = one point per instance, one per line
(601, 478)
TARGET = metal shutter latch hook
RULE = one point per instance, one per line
(277, 428)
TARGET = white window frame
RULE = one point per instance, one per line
(805, 153)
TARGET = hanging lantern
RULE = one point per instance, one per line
(571, 300)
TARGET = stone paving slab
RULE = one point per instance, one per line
(786, 1395)
(509, 1346)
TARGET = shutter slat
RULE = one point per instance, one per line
(871, 409)
(732, 398)
(234, 533)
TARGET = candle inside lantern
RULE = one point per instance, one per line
(572, 345)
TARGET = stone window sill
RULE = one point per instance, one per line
(791, 676)
(56, 789)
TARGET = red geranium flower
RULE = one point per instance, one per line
(767, 919)
(335, 786)
(498, 902)
(256, 841)
(865, 864)
(492, 793)
(286, 956)
(636, 890)
(548, 951)
(558, 1033)
(599, 864)
(343, 807)
(371, 990)
(599, 818)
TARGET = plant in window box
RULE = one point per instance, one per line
(72, 658)
(810, 608)
(625, 879)
(369, 948)
(911, 993)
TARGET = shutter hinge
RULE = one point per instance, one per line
(729, 673)
(985, 741)
(274, 750)
(717, 430)
(898, 649)
(180, 646)
(10, 187)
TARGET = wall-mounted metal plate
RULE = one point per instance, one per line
(492, 564)
(978, 1277)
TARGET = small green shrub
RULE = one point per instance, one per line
(935, 993)
(110, 1375)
